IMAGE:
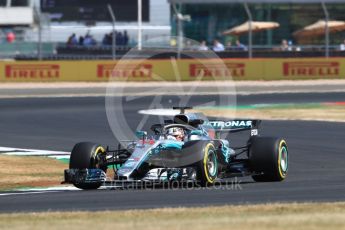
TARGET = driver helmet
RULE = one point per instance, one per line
(176, 132)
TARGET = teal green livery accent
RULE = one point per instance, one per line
(172, 145)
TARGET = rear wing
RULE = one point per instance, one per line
(233, 126)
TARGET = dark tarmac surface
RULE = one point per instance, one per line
(316, 170)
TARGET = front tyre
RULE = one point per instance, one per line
(87, 155)
(207, 168)
(268, 156)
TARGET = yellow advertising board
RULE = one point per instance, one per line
(172, 70)
(305, 68)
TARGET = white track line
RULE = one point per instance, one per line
(145, 94)
(54, 189)
(39, 190)
(33, 152)
(24, 193)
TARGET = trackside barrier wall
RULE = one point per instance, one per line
(186, 70)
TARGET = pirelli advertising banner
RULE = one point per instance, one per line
(313, 68)
(170, 70)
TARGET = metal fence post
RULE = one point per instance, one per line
(39, 23)
(250, 34)
(179, 19)
(113, 45)
(326, 29)
(140, 22)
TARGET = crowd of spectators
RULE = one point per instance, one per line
(238, 46)
(219, 47)
(121, 39)
(286, 45)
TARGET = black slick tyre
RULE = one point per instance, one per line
(268, 158)
(87, 155)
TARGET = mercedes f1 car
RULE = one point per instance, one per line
(188, 147)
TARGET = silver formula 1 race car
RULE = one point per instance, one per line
(187, 148)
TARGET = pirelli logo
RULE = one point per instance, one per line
(32, 71)
(217, 70)
(321, 69)
(124, 71)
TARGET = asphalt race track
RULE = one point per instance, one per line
(316, 170)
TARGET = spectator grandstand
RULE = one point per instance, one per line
(53, 21)
(76, 29)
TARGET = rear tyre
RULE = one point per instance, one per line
(87, 155)
(268, 156)
(207, 168)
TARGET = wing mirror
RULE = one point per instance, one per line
(141, 134)
(196, 122)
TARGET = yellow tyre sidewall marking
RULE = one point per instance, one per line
(281, 144)
(98, 150)
(209, 179)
